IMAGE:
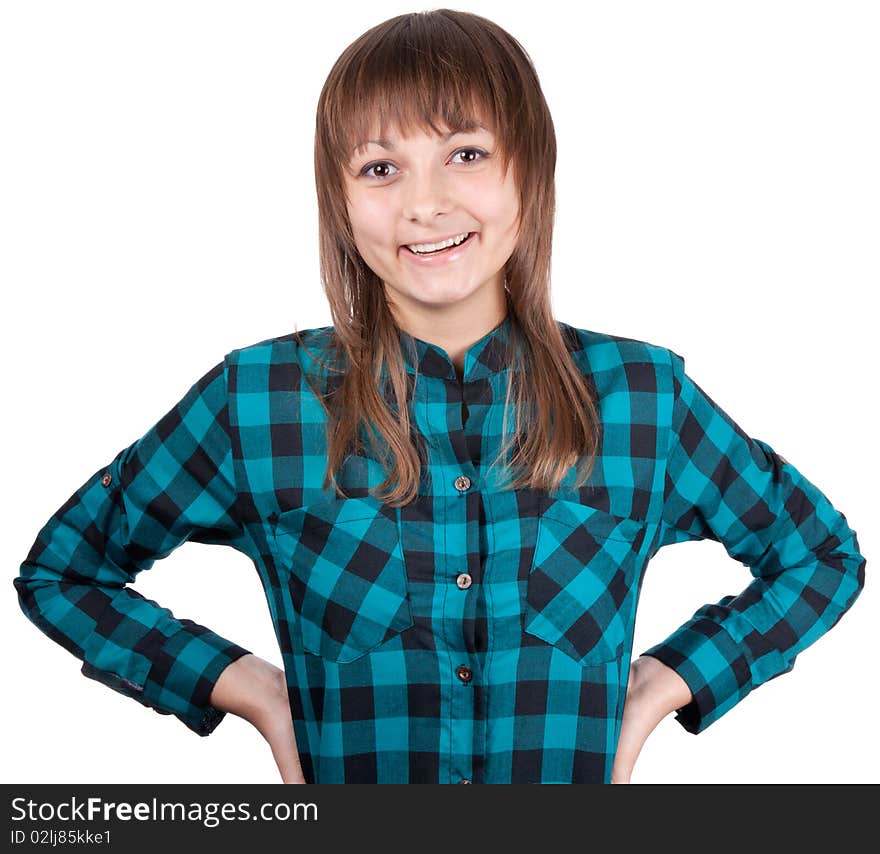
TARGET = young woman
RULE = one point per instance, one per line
(451, 497)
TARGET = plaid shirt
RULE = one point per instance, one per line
(475, 635)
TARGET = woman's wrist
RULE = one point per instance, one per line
(251, 688)
(655, 684)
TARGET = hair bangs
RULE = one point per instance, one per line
(405, 84)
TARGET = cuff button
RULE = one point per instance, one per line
(106, 479)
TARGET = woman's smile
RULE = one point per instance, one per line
(441, 257)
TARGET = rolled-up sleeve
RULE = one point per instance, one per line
(175, 483)
(723, 485)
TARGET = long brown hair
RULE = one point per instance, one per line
(414, 71)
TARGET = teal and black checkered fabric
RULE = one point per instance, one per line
(475, 634)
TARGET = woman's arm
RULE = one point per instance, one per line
(804, 559)
(806, 566)
(176, 483)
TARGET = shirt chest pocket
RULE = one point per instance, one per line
(342, 560)
(581, 585)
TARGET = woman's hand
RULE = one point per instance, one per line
(654, 690)
(256, 690)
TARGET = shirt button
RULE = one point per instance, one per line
(463, 781)
(464, 673)
(463, 483)
(106, 479)
(463, 581)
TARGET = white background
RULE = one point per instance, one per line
(718, 192)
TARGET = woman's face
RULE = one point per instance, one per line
(422, 190)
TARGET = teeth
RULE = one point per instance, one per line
(432, 247)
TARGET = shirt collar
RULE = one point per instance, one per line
(491, 354)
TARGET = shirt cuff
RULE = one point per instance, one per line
(184, 672)
(717, 669)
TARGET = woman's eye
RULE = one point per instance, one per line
(367, 169)
(472, 151)
(384, 163)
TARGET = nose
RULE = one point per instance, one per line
(426, 195)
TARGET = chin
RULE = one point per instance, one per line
(441, 297)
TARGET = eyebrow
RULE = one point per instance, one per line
(388, 144)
